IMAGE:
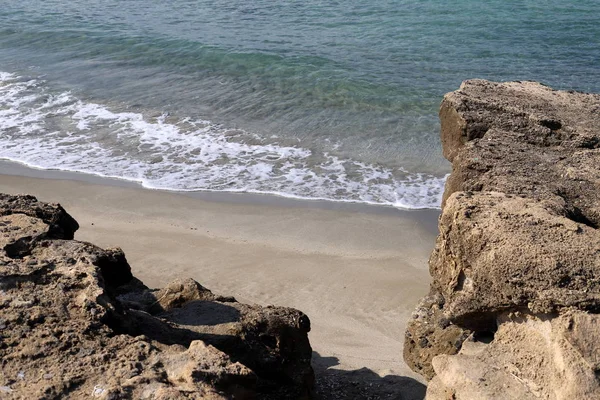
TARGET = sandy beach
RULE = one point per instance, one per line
(356, 271)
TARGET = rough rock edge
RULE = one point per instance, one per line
(518, 234)
(75, 323)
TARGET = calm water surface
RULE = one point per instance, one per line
(313, 99)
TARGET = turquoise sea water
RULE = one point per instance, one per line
(313, 99)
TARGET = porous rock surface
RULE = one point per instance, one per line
(75, 323)
(515, 292)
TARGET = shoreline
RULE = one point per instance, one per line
(355, 270)
(17, 168)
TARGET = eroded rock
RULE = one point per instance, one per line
(430, 329)
(497, 252)
(75, 323)
(60, 224)
(518, 236)
(531, 356)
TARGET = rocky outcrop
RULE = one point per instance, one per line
(530, 357)
(75, 323)
(516, 267)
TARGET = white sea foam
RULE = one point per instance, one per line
(59, 131)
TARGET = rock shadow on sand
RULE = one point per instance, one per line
(203, 313)
(363, 383)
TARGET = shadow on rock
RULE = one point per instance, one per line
(207, 313)
(336, 384)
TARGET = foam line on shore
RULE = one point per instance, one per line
(56, 130)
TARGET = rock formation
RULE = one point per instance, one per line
(75, 323)
(515, 295)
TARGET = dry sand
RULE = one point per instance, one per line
(356, 271)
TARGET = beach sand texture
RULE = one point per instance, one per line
(356, 271)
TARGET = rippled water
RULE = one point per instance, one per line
(312, 99)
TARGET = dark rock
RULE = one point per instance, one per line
(430, 333)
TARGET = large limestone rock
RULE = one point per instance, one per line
(518, 236)
(531, 357)
(524, 139)
(75, 323)
(498, 252)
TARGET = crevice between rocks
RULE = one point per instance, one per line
(575, 214)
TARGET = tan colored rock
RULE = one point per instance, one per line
(497, 252)
(205, 363)
(531, 357)
(524, 139)
(19, 232)
(60, 224)
(181, 292)
(518, 234)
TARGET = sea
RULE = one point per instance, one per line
(310, 99)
